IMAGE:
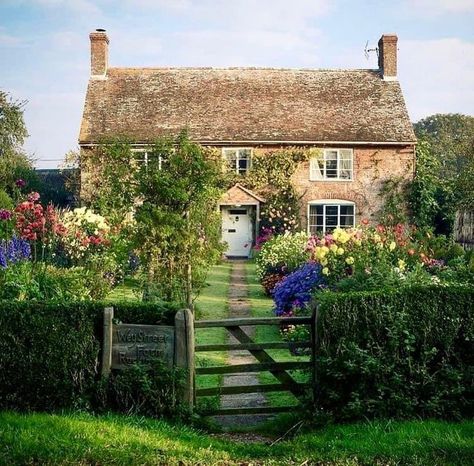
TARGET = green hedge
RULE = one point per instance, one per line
(399, 353)
(49, 353)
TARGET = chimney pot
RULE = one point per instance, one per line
(99, 53)
(388, 56)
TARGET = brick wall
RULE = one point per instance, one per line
(372, 166)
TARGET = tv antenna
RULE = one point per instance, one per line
(367, 50)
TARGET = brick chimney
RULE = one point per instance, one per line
(388, 56)
(99, 53)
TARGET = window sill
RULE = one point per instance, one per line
(338, 180)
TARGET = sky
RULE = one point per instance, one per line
(45, 49)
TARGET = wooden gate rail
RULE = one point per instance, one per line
(249, 321)
(265, 362)
(253, 346)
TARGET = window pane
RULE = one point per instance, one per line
(330, 155)
(347, 221)
(347, 210)
(243, 165)
(331, 221)
(332, 210)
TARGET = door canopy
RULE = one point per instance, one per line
(238, 195)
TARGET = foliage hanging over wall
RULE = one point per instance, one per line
(271, 175)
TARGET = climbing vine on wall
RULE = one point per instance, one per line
(271, 176)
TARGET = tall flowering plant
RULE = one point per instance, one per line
(87, 234)
(294, 292)
(6, 224)
(13, 251)
(38, 225)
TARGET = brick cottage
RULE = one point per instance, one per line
(356, 120)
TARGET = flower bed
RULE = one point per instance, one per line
(52, 254)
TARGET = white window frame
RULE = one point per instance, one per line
(146, 156)
(332, 203)
(237, 149)
(314, 160)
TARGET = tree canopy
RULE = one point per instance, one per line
(444, 179)
(14, 163)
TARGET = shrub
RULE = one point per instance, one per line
(49, 353)
(402, 353)
(270, 281)
(288, 251)
(294, 292)
(24, 281)
(145, 389)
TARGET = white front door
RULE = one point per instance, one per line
(237, 230)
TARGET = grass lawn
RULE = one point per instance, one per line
(261, 306)
(212, 304)
(125, 292)
(125, 440)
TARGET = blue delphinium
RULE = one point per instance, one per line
(295, 290)
(13, 251)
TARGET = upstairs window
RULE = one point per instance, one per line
(146, 158)
(238, 160)
(333, 165)
(324, 216)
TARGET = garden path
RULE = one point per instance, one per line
(239, 306)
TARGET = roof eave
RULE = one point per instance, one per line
(275, 143)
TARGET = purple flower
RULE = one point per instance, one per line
(20, 183)
(295, 290)
(13, 251)
(5, 214)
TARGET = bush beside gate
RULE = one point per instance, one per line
(398, 354)
(50, 353)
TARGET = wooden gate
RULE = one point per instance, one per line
(265, 361)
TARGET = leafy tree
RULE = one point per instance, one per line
(14, 163)
(444, 170)
(173, 193)
(451, 138)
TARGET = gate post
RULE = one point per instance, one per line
(184, 353)
(107, 341)
(314, 342)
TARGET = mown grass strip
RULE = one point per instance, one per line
(125, 440)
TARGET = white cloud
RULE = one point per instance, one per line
(439, 7)
(83, 7)
(437, 76)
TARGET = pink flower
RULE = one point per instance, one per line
(5, 214)
(33, 197)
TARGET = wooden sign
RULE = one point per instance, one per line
(132, 343)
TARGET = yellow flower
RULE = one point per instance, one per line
(340, 251)
(377, 238)
(325, 271)
(323, 261)
(337, 233)
(392, 246)
(333, 247)
(344, 237)
(357, 242)
(324, 250)
(401, 264)
(350, 260)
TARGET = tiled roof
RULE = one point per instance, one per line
(246, 104)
